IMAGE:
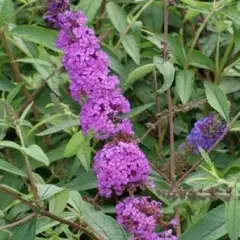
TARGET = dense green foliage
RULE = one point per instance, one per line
(46, 177)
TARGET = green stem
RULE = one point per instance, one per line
(199, 31)
(217, 68)
(227, 52)
(126, 30)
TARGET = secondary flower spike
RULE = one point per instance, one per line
(54, 7)
(204, 134)
(120, 166)
(140, 216)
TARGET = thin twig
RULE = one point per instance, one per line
(126, 30)
(176, 109)
(160, 173)
(14, 224)
(101, 14)
(29, 168)
(37, 90)
(196, 165)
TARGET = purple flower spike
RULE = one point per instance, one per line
(120, 166)
(54, 7)
(205, 133)
(139, 216)
(102, 114)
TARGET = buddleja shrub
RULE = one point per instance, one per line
(119, 119)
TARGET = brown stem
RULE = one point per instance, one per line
(16, 71)
(170, 109)
(101, 14)
(14, 224)
(158, 107)
(160, 173)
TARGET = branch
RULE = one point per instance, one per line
(14, 224)
(43, 212)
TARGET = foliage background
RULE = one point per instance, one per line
(40, 120)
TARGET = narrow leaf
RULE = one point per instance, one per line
(74, 144)
(36, 153)
(90, 8)
(211, 226)
(26, 231)
(217, 99)
(60, 127)
(167, 69)
(138, 110)
(58, 202)
(139, 73)
(184, 84)
(117, 16)
(131, 46)
(5, 166)
(36, 34)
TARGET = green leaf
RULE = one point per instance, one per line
(73, 145)
(198, 4)
(232, 210)
(117, 16)
(131, 46)
(26, 111)
(104, 225)
(230, 85)
(36, 34)
(46, 191)
(90, 8)
(76, 201)
(84, 155)
(167, 69)
(217, 99)
(35, 61)
(138, 110)
(26, 231)
(60, 127)
(37, 153)
(153, 17)
(139, 73)
(184, 84)
(236, 127)
(200, 60)
(6, 12)
(211, 226)
(88, 181)
(5, 166)
(58, 202)
(10, 145)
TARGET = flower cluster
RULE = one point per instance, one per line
(54, 7)
(140, 216)
(120, 165)
(205, 133)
